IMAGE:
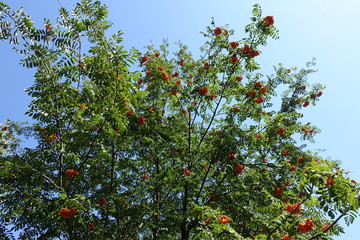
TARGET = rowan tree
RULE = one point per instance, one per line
(183, 147)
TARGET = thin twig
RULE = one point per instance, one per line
(60, 3)
(40, 173)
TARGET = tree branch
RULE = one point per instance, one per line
(328, 228)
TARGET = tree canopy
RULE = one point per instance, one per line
(182, 147)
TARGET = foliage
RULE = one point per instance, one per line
(179, 149)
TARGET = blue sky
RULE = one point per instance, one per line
(327, 30)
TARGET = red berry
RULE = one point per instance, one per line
(217, 31)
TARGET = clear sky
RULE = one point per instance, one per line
(325, 29)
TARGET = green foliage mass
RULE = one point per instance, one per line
(181, 148)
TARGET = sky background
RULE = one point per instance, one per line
(327, 30)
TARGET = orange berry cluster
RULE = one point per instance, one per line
(306, 226)
(67, 213)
